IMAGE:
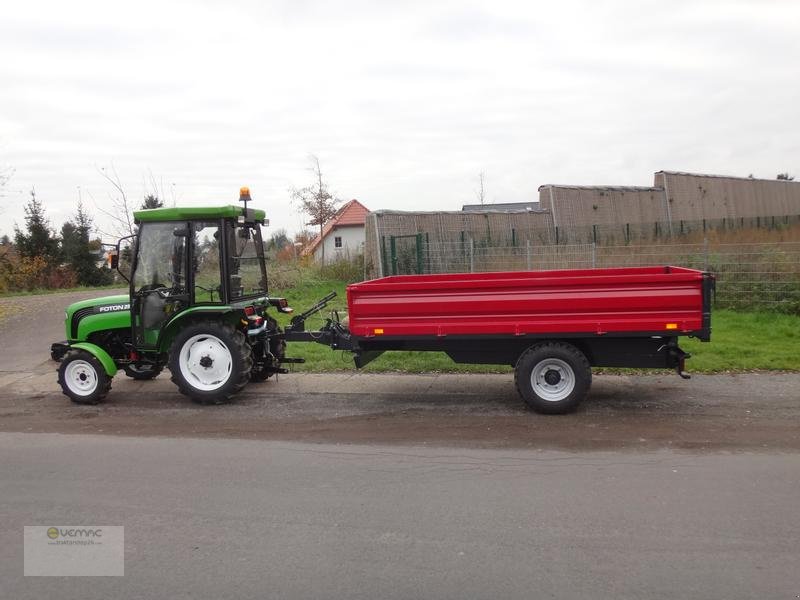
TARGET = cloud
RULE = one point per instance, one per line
(404, 102)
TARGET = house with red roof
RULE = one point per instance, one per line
(343, 236)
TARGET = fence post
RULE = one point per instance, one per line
(471, 255)
(705, 254)
(594, 255)
(528, 253)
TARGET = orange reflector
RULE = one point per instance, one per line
(378, 332)
(672, 325)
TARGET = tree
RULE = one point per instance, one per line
(785, 177)
(277, 241)
(481, 191)
(152, 201)
(5, 175)
(78, 249)
(120, 213)
(316, 201)
(37, 239)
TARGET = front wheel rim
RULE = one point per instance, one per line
(206, 362)
(80, 377)
(553, 379)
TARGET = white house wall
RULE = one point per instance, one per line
(352, 243)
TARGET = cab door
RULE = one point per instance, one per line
(158, 282)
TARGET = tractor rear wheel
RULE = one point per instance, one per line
(83, 378)
(210, 362)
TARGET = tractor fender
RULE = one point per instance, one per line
(100, 354)
(225, 313)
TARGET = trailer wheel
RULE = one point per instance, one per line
(210, 362)
(83, 378)
(553, 377)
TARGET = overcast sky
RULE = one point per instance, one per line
(403, 102)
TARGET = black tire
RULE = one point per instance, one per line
(143, 371)
(228, 378)
(562, 373)
(82, 378)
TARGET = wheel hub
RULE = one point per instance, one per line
(552, 377)
(205, 362)
(80, 377)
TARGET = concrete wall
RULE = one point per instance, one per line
(710, 197)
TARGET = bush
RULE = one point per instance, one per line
(349, 271)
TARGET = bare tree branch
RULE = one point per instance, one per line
(315, 200)
(120, 212)
(481, 191)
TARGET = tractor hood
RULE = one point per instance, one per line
(87, 316)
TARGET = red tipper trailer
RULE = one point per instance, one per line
(551, 326)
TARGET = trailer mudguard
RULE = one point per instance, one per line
(100, 354)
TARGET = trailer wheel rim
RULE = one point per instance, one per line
(80, 377)
(552, 379)
(206, 362)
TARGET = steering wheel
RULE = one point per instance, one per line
(158, 288)
(209, 290)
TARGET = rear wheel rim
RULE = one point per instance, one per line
(206, 362)
(80, 377)
(552, 379)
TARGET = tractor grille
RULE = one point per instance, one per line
(76, 319)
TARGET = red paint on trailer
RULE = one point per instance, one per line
(590, 301)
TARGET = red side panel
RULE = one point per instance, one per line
(592, 301)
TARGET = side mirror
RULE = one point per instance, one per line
(113, 259)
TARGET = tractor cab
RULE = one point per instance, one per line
(183, 260)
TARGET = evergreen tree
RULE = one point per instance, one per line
(152, 201)
(77, 250)
(38, 239)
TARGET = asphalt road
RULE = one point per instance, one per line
(240, 519)
(435, 486)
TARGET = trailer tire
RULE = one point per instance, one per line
(553, 377)
(210, 362)
(82, 378)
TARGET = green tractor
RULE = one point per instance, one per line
(197, 305)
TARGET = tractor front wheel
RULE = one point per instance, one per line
(210, 362)
(83, 378)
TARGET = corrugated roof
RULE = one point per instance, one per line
(610, 188)
(685, 174)
(501, 207)
(351, 214)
